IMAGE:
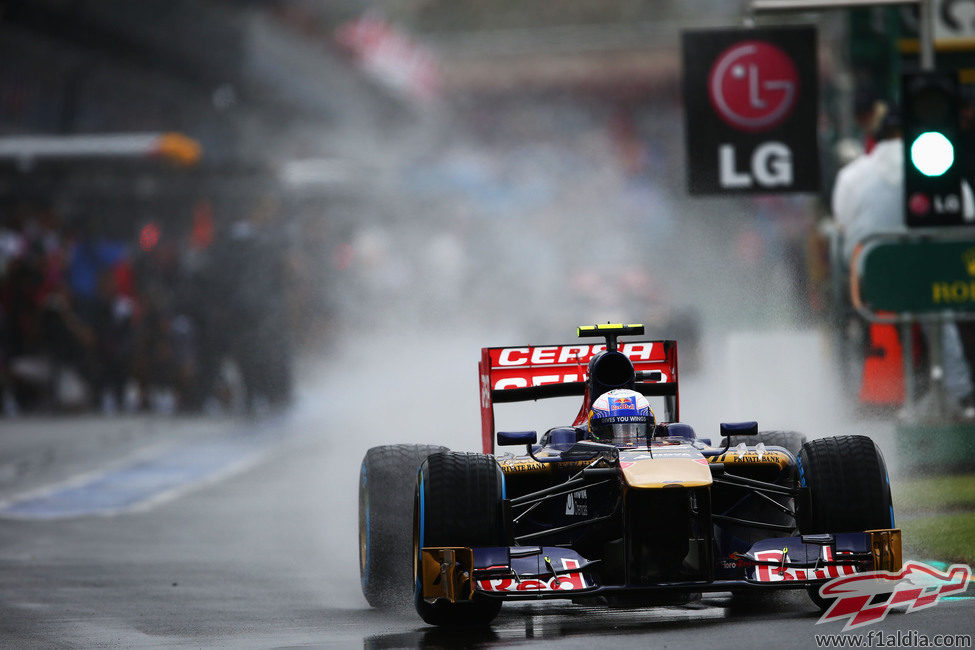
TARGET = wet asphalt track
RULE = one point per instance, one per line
(226, 533)
(266, 557)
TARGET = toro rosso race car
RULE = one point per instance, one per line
(622, 506)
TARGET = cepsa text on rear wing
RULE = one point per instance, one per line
(522, 373)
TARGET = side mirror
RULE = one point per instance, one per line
(739, 429)
(508, 438)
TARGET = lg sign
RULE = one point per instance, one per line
(754, 97)
(753, 86)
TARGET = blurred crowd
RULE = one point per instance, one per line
(167, 322)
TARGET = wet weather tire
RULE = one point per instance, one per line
(457, 503)
(848, 485)
(386, 480)
(848, 489)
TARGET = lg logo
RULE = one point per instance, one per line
(754, 87)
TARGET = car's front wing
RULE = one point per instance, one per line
(537, 572)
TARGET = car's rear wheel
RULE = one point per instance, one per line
(457, 503)
(386, 479)
(849, 489)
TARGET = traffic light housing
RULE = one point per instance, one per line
(932, 180)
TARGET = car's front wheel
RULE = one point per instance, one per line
(457, 503)
(849, 489)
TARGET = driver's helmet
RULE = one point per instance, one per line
(620, 417)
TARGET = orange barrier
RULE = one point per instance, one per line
(882, 383)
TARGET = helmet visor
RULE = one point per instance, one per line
(622, 430)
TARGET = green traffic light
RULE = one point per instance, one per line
(932, 153)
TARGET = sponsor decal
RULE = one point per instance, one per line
(753, 457)
(571, 581)
(953, 293)
(622, 419)
(622, 403)
(968, 257)
(538, 380)
(514, 465)
(750, 95)
(571, 354)
(956, 291)
(753, 86)
(523, 367)
(769, 573)
(729, 562)
(520, 466)
(867, 597)
(577, 504)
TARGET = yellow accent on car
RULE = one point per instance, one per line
(751, 457)
(667, 472)
(885, 546)
(525, 466)
(446, 573)
(605, 327)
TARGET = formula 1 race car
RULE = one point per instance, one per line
(654, 519)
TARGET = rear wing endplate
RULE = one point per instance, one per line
(517, 374)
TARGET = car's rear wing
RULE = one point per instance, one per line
(516, 374)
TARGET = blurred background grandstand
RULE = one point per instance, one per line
(314, 170)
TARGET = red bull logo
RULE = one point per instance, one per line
(622, 404)
(770, 573)
(570, 581)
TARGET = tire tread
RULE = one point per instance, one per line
(462, 507)
(390, 473)
(848, 481)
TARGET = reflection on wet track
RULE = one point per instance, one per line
(146, 481)
(267, 558)
(576, 625)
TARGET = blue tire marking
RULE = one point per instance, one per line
(423, 519)
(887, 481)
(419, 544)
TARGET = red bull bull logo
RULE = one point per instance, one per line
(622, 404)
